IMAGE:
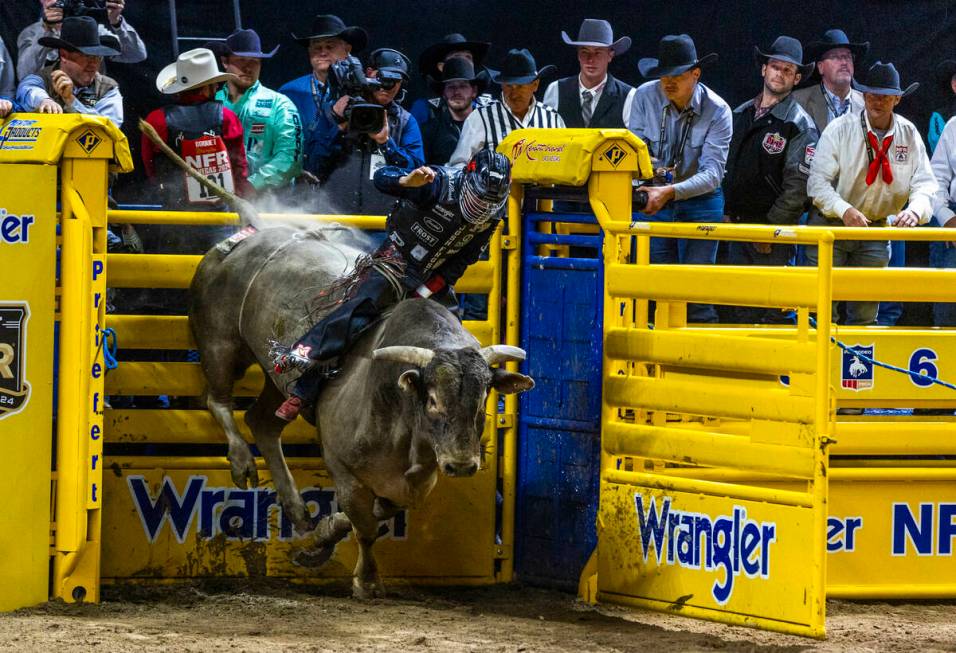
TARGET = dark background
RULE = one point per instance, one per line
(913, 35)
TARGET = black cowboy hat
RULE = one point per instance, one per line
(836, 38)
(246, 43)
(81, 34)
(944, 74)
(458, 69)
(677, 54)
(519, 68)
(883, 79)
(595, 32)
(327, 26)
(787, 49)
(436, 53)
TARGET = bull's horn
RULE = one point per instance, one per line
(502, 354)
(404, 354)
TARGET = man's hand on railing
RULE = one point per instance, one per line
(906, 218)
(853, 218)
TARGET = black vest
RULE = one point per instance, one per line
(349, 186)
(608, 113)
(440, 134)
(427, 238)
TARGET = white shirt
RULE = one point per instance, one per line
(487, 126)
(551, 96)
(837, 178)
(944, 167)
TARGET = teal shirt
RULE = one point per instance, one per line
(273, 135)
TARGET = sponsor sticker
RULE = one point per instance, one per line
(614, 155)
(774, 143)
(14, 388)
(20, 135)
(857, 371)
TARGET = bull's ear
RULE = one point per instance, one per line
(510, 383)
(408, 381)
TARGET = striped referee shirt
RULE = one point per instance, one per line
(487, 126)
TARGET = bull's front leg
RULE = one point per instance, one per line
(358, 502)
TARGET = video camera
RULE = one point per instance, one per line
(363, 117)
(95, 9)
(662, 177)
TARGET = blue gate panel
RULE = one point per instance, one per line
(559, 421)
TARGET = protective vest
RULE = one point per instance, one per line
(195, 133)
(430, 238)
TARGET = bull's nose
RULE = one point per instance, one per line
(460, 469)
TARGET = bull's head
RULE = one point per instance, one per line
(450, 388)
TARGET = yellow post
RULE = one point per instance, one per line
(86, 148)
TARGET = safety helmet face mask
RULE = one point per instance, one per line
(486, 182)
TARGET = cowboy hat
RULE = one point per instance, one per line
(327, 26)
(677, 54)
(81, 34)
(519, 68)
(191, 70)
(883, 79)
(788, 50)
(598, 33)
(835, 38)
(246, 43)
(458, 69)
(437, 52)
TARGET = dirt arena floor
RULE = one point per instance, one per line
(236, 616)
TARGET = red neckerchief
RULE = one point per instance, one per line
(878, 158)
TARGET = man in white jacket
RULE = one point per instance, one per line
(870, 170)
(943, 255)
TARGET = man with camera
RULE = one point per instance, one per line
(687, 129)
(768, 163)
(74, 84)
(108, 14)
(374, 131)
(329, 41)
(270, 121)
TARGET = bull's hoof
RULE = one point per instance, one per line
(243, 466)
(313, 558)
(367, 590)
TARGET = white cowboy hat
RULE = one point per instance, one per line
(192, 69)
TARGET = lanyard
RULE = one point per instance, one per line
(866, 141)
(678, 155)
(317, 93)
(826, 98)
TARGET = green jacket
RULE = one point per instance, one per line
(273, 135)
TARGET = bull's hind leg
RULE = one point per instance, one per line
(223, 367)
(267, 430)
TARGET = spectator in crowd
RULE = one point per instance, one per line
(457, 86)
(946, 76)
(868, 167)
(348, 182)
(34, 55)
(207, 135)
(768, 162)
(487, 126)
(687, 128)
(314, 94)
(8, 80)
(74, 83)
(835, 56)
(593, 98)
(431, 65)
(943, 255)
(270, 121)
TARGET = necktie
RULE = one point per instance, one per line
(586, 109)
(842, 106)
(880, 160)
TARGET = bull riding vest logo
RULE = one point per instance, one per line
(857, 368)
(14, 389)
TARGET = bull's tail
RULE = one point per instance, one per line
(247, 212)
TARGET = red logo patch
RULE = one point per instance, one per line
(774, 143)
